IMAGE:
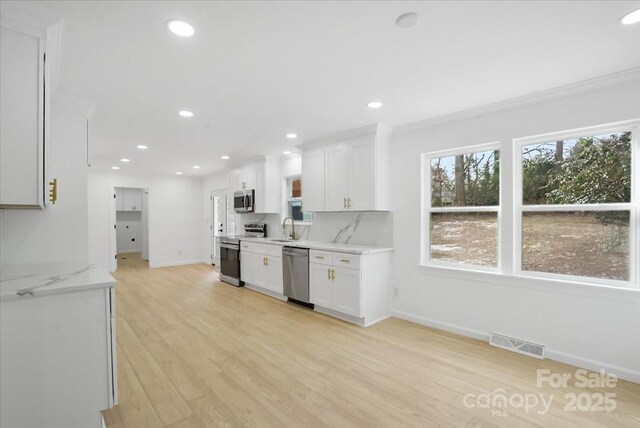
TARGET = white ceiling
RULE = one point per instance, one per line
(257, 70)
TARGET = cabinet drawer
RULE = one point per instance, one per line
(247, 247)
(351, 261)
(321, 257)
(268, 249)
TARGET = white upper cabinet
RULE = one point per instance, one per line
(356, 171)
(22, 115)
(336, 175)
(128, 199)
(313, 180)
(264, 178)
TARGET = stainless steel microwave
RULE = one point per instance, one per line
(244, 201)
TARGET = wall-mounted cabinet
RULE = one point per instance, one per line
(23, 110)
(349, 172)
(264, 178)
(128, 199)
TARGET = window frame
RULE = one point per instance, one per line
(519, 208)
(288, 199)
(427, 209)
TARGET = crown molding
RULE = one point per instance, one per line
(534, 98)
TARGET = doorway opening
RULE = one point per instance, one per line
(218, 222)
(130, 241)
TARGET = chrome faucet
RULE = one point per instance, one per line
(292, 235)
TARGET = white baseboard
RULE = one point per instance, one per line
(574, 360)
(178, 263)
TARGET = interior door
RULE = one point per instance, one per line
(114, 233)
(336, 177)
(218, 224)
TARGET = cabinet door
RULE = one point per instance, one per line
(119, 199)
(248, 178)
(21, 116)
(274, 275)
(260, 273)
(346, 291)
(313, 181)
(234, 182)
(320, 285)
(247, 266)
(132, 200)
(362, 177)
(260, 191)
(336, 176)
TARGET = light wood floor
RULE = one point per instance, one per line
(193, 352)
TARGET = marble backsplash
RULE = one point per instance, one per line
(358, 228)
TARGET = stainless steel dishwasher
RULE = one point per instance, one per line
(295, 265)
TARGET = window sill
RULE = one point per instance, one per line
(537, 283)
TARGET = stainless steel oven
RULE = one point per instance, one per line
(243, 201)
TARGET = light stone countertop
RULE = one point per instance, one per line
(26, 281)
(325, 246)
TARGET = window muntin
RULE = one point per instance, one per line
(463, 194)
(576, 210)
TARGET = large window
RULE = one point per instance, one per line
(575, 206)
(462, 212)
(575, 199)
(294, 201)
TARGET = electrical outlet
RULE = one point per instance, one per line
(396, 292)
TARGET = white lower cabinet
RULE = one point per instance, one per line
(261, 265)
(350, 286)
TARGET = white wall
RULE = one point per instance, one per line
(59, 232)
(175, 217)
(579, 324)
(129, 231)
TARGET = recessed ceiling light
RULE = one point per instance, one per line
(374, 104)
(292, 136)
(178, 173)
(124, 160)
(185, 113)
(286, 153)
(196, 167)
(142, 147)
(115, 167)
(225, 157)
(631, 17)
(180, 28)
(407, 20)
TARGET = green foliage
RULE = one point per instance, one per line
(596, 171)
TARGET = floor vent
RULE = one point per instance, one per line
(516, 345)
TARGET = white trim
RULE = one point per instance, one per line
(179, 263)
(519, 208)
(574, 360)
(577, 207)
(427, 209)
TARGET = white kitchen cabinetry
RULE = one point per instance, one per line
(132, 199)
(356, 171)
(264, 178)
(119, 199)
(58, 349)
(313, 180)
(350, 286)
(22, 115)
(261, 266)
(128, 199)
